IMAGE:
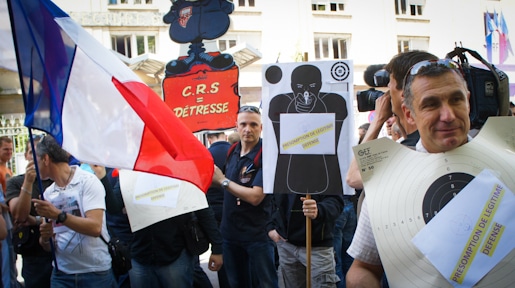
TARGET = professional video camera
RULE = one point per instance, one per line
(374, 76)
(489, 88)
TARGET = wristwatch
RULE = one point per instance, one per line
(225, 183)
(61, 217)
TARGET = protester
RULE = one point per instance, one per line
(233, 138)
(9, 270)
(116, 216)
(6, 153)
(74, 205)
(436, 101)
(387, 105)
(248, 251)
(289, 233)
(37, 263)
(218, 147)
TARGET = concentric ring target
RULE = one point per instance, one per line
(442, 191)
(404, 197)
(340, 71)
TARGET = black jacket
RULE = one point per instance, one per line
(290, 222)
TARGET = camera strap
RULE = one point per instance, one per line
(503, 86)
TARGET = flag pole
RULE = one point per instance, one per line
(308, 248)
(40, 185)
(308, 229)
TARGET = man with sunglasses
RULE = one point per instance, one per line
(248, 252)
(436, 100)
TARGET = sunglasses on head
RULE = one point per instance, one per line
(38, 137)
(252, 109)
(423, 65)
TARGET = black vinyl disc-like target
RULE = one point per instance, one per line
(340, 71)
(442, 191)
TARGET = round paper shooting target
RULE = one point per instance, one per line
(442, 191)
(408, 196)
(340, 71)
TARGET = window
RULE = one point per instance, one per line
(333, 6)
(122, 44)
(246, 3)
(330, 48)
(224, 44)
(409, 7)
(405, 44)
(143, 44)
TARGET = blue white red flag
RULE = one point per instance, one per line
(94, 105)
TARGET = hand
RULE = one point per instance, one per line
(384, 107)
(215, 262)
(30, 172)
(45, 209)
(46, 230)
(275, 236)
(309, 206)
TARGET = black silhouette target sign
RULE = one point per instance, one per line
(442, 191)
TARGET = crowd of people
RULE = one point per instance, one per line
(257, 239)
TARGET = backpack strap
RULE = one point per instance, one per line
(257, 158)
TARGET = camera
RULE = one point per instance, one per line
(375, 76)
(367, 99)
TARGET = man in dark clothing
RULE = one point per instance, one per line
(218, 147)
(21, 189)
(289, 233)
(248, 251)
(159, 255)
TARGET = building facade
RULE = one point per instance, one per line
(267, 31)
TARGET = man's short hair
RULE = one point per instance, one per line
(402, 62)
(215, 134)
(5, 139)
(49, 146)
(364, 126)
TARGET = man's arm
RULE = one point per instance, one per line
(364, 275)
(20, 206)
(253, 195)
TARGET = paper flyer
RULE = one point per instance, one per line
(151, 198)
(406, 189)
(472, 233)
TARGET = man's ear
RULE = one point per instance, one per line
(408, 114)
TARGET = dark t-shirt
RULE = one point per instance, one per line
(245, 222)
(215, 195)
(411, 139)
(13, 190)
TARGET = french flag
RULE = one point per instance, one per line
(94, 105)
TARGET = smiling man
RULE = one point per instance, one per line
(438, 104)
(436, 101)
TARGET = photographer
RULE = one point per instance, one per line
(390, 104)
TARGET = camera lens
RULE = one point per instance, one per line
(367, 99)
